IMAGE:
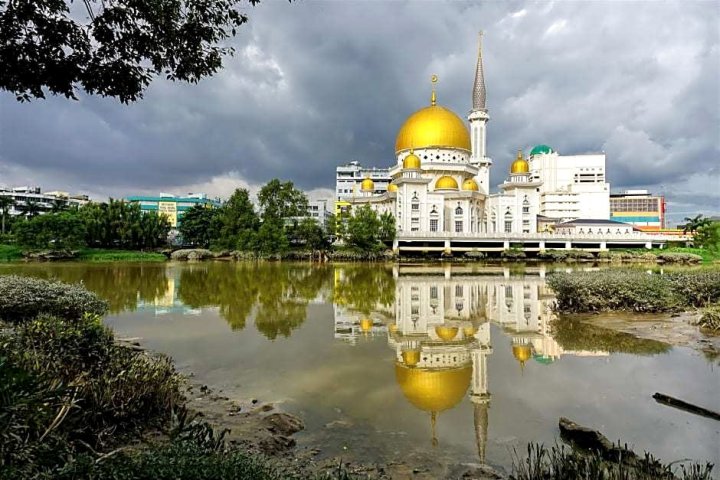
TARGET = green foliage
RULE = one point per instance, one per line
(271, 238)
(200, 226)
(387, 230)
(679, 257)
(634, 290)
(708, 256)
(120, 224)
(365, 230)
(364, 289)
(281, 201)
(570, 255)
(513, 253)
(708, 237)
(238, 223)
(24, 298)
(9, 253)
(113, 49)
(58, 231)
(693, 224)
(5, 203)
(574, 334)
(561, 463)
(308, 234)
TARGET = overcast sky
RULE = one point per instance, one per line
(317, 84)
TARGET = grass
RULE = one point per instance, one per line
(708, 256)
(102, 255)
(9, 253)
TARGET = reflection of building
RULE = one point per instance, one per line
(440, 333)
(168, 301)
(173, 207)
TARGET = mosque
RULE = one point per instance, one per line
(440, 182)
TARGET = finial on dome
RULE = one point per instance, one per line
(433, 97)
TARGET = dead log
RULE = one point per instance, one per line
(685, 406)
(592, 440)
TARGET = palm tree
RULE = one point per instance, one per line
(6, 202)
(693, 224)
(32, 208)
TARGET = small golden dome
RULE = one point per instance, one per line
(392, 188)
(433, 127)
(411, 161)
(446, 333)
(446, 182)
(367, 185)
(411, 357)
(433, 390)
(522, 353)
(469, 331)
(471, 185)
(520, 165)
(366, 325)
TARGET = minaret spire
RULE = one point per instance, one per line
(479, 92)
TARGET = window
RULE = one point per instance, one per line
(458, 210)
(433, 224)
(458, 226)
(415, 206)
(508, 226)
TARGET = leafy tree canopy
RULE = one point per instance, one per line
(111, 47)
(281, 200)
(200, 225)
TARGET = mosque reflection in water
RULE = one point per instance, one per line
(439, 328)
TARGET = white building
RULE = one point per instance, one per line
(349, 177)
(32, 200)
(440, 180)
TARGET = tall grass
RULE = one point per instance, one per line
(100, 255)
(10, 253)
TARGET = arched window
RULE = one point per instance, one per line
(458, 210)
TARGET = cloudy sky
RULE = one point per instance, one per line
(317, 84)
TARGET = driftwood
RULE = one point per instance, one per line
(589, 439)
(685, 406)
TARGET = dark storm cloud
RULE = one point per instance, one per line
(315, 84)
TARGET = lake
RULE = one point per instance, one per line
(394, 363)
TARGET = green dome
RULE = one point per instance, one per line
(539, 149)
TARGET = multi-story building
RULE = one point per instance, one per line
(172, 206)
(639, 208)
(349, 177)
(31, 200)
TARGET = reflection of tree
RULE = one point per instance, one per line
(282, 303)
(279, 293)
(573, 334)
(121, 285)
(233, 288)
(365, 288)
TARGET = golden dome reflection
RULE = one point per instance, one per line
(433, 390)
(411, 357)
(446, 182)
(366, 325)
(430, 127)
(446, 333)
(522, 353)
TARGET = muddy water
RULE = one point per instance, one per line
(427, 363)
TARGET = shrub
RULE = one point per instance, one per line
(512, 253)
(24, 298)
(698, 289)
(677, 257)
(710, 319)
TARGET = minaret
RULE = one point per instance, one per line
(478, 119)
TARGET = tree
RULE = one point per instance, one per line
(53, 230)
(281, 200)
(5, 203)
(387, 227)
(120, 224)
(238, 222)
(116, 49)
(271, 237)
(693, 224)
(310, 235)
(708, 236)
(200, 226)
(363, 229)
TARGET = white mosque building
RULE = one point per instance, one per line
(440, 186)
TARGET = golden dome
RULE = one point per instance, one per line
(411, 161)
(366, 325)
(433, 126)
(392, 188)
(520, 165)
(446, 333)
(411, 357)
(522, 353)
(433, 390)
(471, 185)
(367, 185)
(446, 182)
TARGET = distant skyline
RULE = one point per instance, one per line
(316, 84)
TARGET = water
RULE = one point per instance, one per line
(451, 364)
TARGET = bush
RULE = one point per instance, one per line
(512, 254)
(24, 298)
(698, 289)
(710, 319)
(79, 389)
(565, 255)
(677, 257)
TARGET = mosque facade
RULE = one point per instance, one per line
(440, 181)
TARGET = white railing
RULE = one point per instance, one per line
(563, 237)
